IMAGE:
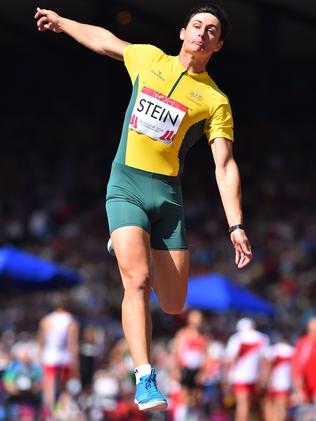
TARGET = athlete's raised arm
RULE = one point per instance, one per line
(93, 37)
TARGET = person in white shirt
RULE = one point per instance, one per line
(59, 343)
(277, 376)
(243, 357)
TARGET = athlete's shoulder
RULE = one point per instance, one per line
(140, 57)
(141, 51)
(215, 91)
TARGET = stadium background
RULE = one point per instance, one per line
(61, 113)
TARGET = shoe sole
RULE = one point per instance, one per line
(153, 406)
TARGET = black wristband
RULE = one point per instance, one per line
(236, 227)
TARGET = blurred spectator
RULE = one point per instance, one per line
(277, 380)
(67, 406)
(59, 343)
(243, 358)
(120, 360)
(189, 351)
(113, 398)
(5, 359)
(106, 387)
(87, 354)
(23, 381)
(211, 376)
(304, 365)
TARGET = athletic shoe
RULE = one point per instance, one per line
(148, 397)
(110, 247)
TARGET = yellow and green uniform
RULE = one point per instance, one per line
(169, 110)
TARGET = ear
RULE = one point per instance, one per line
(219, 46)
(182, 34)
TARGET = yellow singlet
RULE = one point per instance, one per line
(169, 110)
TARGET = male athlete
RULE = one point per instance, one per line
(173, 103)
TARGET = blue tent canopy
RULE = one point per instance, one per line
(214, 291)
(24, 271)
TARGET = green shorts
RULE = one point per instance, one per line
(148, 200)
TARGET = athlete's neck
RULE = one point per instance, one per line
(193, 63)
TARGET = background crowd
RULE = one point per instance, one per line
(53, 206)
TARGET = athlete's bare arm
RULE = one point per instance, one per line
(228, 181)
(93, 37)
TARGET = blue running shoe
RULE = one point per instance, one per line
(110, 247)
(148, 397)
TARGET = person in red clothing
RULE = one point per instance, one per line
(243, 366)
(304, 365)
(276, 378)
(189, 353)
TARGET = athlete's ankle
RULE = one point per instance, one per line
(142, 370)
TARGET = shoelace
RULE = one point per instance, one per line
(150, 379)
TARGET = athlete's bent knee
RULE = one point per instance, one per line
(172, 308)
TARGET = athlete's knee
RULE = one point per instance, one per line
(136, 281)
(172, 307)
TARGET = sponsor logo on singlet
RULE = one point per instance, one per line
(159, 74)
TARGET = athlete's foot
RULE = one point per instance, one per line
(110, 247)
(148, 397)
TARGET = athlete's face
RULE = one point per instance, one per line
(202, 34)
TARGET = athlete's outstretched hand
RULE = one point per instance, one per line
(242, 248)
(47, 19)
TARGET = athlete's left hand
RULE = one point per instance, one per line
(243, 253)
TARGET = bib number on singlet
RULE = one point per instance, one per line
(157, 116)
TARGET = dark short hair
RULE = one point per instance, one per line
(215, 10)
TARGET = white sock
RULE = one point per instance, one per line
(142, 370)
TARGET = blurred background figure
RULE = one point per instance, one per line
(5, 359)
(304, 366)
(88, 356)
(211, 376)
(68, 406)
(277, 380)
(243, 359)
(113, 397)
(189, 353)
(59, 343)
(22, 381)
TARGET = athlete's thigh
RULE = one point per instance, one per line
(170, 278)
(168, 226)
(126, 204)
(125, 214)
(132, 251)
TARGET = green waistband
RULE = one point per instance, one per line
(132, 170)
